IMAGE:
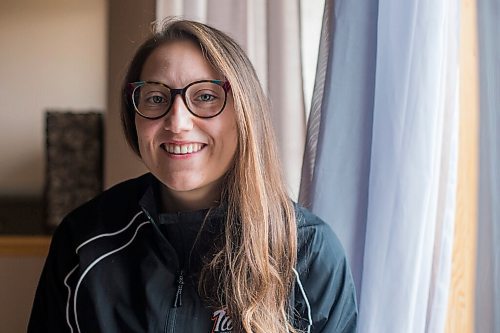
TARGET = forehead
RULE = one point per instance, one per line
(177, 64)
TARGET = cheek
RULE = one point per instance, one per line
(140, 135)
(145, 137)
(230, 147)
(144, 130)
(234, 140)
(230, 135)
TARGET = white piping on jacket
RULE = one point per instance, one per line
(108, 234)
(309, 316)
(69, 297)
(94, 263)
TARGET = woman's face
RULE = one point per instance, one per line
(189, 155)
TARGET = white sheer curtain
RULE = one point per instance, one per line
(269, 32)
(413, 169)
(381, 153)
(488, 254)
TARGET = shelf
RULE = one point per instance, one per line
(37, 246)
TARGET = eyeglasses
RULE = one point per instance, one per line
(204, 99)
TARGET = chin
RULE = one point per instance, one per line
(182, 185)
(182, 188)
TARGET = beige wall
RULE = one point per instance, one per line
(53, 55)
(18, 279)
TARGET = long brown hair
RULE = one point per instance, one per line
(253, 266)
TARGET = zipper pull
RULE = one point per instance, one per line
(178, 294)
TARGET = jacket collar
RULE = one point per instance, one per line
(150, 202)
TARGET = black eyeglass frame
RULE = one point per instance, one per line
(133, 86)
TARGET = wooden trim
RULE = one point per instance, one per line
(460, 317)
(24, 245)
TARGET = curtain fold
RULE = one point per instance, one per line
(336, 162)
(381, 155)
(268, 30)
(488, 255)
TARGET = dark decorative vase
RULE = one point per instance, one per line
(74, 162)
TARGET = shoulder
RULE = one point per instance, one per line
(316, 240)
(107, 211)
(125, 192)
(327, 289)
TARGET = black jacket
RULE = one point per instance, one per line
(111, 268)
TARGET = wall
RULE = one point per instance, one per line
(53, 56)
(18, 279)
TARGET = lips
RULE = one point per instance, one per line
(183, 149)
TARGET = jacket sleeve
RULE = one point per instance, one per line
(327, 282)
(48, 313)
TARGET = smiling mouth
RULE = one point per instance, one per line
(183, 149)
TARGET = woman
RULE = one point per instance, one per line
(209, 240)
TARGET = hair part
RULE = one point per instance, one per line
(252, 266)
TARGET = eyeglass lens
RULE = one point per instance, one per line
(204, 99)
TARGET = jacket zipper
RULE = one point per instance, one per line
(178, 294)
(180, 276)
(172, 314)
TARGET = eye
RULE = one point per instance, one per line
(205, 97)
(156, 99)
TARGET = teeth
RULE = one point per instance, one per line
(183, 149)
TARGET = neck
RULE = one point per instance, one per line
(175, 201)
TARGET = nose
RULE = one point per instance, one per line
(178, 119)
